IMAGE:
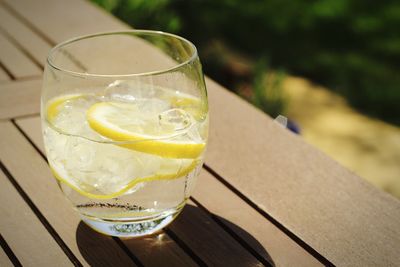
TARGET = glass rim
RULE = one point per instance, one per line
(194, 54)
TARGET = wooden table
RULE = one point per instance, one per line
(264, 197)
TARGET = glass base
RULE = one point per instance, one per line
(131, 228)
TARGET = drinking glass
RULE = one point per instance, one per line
(125, 125)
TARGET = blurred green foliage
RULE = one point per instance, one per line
(350, 46)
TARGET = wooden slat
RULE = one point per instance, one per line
(4, 260)
(264, 237)
(31, 42)
(20, 98)
(4, 76)
(16, 62)
(337, 213)
(33, 175)
(60, 21)
(24, 233)
(209, 241)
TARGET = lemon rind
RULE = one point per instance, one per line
(128, 186)
(142, 143)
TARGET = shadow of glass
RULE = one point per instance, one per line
(194, 237)
(217, 240)
(100, 250)
(247, 241)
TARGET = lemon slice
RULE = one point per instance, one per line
(168, 171)
(82, 159)
(55, 105)
(125, 123)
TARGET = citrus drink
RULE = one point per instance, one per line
(127, 153)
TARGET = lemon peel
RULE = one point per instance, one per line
(128, 186)
(100, 121)
(54, 105)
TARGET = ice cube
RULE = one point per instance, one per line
(194, 135)
(175, 119)
(79, 154)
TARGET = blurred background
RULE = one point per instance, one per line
(331, 66)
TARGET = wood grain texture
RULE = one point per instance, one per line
(16, 62)
(19, 98)
(4, 259)
(264, 237)
(33, 175)
(337, 213)
(26, 38)
(24, 233)
(60, 21)
(32, 128)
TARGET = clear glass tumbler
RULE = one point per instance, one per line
(125, 125)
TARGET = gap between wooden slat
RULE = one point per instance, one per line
(10, 254)
(40, 216)
(37, 47)
(79, 17)
(27, 23)
(158, 249)
(41, 153)
(24, 233)
(295, 238)
(15, 60)
(10, 75)
(4, 259)
(12, 40)
(325, 205)
(185, 247)
(247, 225)
(209, 241)
(234, 235)
(128, 252)
(49, 44)
(95, 248)
(4, 76)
